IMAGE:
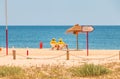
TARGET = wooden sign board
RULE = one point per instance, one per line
(87, 28)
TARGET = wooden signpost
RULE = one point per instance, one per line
(87, 29)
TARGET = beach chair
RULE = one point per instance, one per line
(53, 44)
(61, 44)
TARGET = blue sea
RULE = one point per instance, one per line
(103, 37)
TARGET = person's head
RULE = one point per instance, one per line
(60, 40)
(53, 39)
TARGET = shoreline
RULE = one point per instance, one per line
(68, 47)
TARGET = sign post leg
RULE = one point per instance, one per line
(87, 43)
(6, 41)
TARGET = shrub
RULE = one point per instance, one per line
(89, 70)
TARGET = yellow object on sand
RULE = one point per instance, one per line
(53, 43)
(61, 43)
(57, 45)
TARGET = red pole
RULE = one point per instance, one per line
(6, 27)
(6, 41)
(87, 43)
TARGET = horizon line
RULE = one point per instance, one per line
(59, 25)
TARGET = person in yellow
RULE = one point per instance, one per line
(53, 43)
(61, 44)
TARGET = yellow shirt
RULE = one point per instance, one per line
(61, 42)
(53, 42)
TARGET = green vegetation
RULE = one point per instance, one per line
(106, 71)
(89, 70)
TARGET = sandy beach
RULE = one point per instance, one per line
(39, 57)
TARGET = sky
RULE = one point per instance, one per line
(61, 12)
